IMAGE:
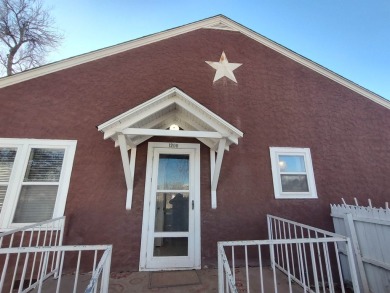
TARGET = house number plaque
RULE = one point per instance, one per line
(174, 145)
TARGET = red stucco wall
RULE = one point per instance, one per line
(276, 102)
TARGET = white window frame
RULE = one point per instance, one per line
(24, 147)
(275, 152)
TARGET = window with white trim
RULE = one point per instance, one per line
(292, 172)
(34, 179)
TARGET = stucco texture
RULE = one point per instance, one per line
(276, 102)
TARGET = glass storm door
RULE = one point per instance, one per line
(171, 228)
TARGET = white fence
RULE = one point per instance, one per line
(295, 257)
(29, 256)
(369, 230)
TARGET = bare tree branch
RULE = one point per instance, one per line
(27, 34)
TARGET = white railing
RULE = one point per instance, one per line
(68, 279)
(306, 256)
(47, 233)
(101, 274)
(29, 256)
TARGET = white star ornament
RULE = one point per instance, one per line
(224, 68)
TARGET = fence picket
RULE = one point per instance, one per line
(369, 229)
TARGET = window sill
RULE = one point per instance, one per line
(295, 197)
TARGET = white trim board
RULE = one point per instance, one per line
(219, 22)
(184, 111)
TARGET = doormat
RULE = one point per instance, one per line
(173, 279)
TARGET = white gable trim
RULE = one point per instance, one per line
(217, 22)
(213, 128)
(153, 117)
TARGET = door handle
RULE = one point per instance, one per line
(193, 204)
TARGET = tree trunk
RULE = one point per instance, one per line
(10, 60)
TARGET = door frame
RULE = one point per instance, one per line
(143, 265)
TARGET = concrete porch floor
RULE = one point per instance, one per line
(140, 282)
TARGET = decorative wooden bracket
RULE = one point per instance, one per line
(215, 168)
(128, 167)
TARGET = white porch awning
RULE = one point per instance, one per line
(154, 117)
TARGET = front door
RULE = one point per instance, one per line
(171, 224)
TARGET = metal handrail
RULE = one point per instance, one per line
(304, 254)
(34, 253)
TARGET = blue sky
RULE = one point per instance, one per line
(350, 37)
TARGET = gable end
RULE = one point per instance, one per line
(219, 22)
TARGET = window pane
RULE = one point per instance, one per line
(294, 183)
(292, 163)
(44, 165)
(7, 158)
(171, 212)
(3, 190)
(170, 246)
(173, 172)
(35, 204)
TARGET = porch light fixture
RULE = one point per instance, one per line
(174, 127)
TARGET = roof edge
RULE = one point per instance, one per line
(108, 51)
(208, 23)
(309, 63)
